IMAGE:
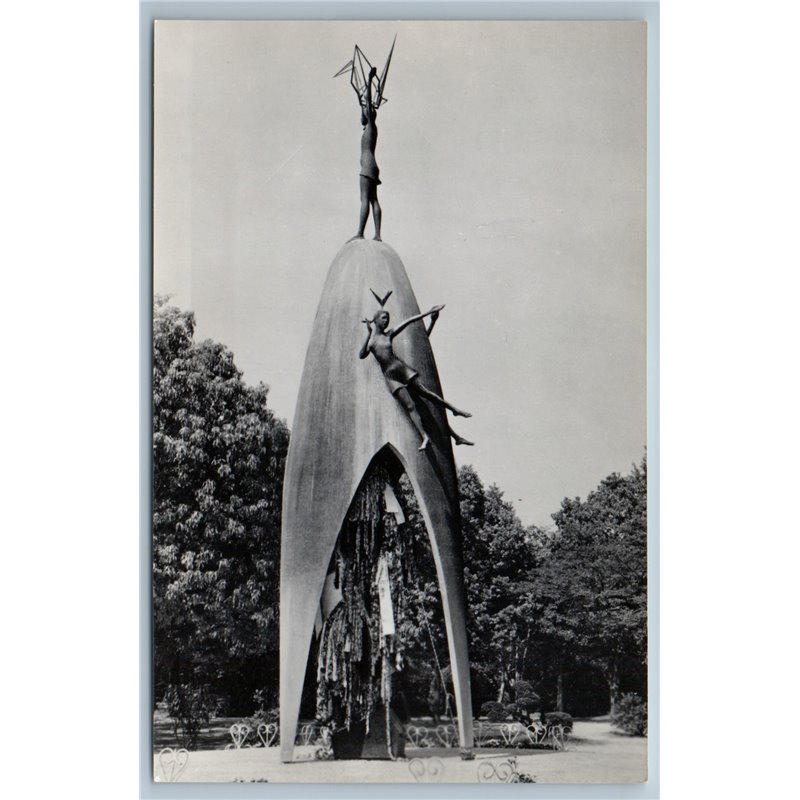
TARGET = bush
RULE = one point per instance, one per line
(630, 715)
(263, 714)
(264, 699)
(558, 718)
(265, 706)
(527, 700)
(494, 711)
(190, 707)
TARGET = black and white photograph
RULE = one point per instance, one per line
(400, 402)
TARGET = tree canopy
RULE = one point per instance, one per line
(591, 587)
(218, 457)
(499, 571)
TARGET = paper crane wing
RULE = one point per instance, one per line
(381, 301)
(358, 67)
(379, 98)
(360, 71)
(346, 68)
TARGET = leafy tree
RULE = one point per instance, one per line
(499, 563)
(190, 708)
(526, 699)
(500, 560)
(218, 458)
(591, 592)
(630, 715)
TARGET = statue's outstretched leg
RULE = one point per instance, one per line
(459, 439)
(426, 392)
(408, 404)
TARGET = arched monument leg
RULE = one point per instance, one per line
(298, 611)
(450, 587)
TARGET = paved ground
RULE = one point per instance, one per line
(593, 755)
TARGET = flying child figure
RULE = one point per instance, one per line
(401, 379)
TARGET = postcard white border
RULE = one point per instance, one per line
(389, 10)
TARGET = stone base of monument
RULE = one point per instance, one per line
(357, 743)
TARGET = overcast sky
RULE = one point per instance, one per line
(512, 157)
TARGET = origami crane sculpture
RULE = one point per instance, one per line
(360, 68)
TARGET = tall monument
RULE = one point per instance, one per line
(360, 422)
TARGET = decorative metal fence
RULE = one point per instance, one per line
(426, 770)
(171, 764)
(502, 772)
(487, 734)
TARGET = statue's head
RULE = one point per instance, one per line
(381, 319)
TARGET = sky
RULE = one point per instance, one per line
(513, 168)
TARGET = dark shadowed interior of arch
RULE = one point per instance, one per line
(380, 639)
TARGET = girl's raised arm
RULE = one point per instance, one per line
(364, 352)
(370, 110)
(403, 325)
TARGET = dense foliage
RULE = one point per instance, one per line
(526, 699)
(493, 711)
(556, 619)
(630, 715)
(218, 457)
(591, 587)
(558, 718)
(500, 561)
(189, 706)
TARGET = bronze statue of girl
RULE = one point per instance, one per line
(370, 174)
(401, 379)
